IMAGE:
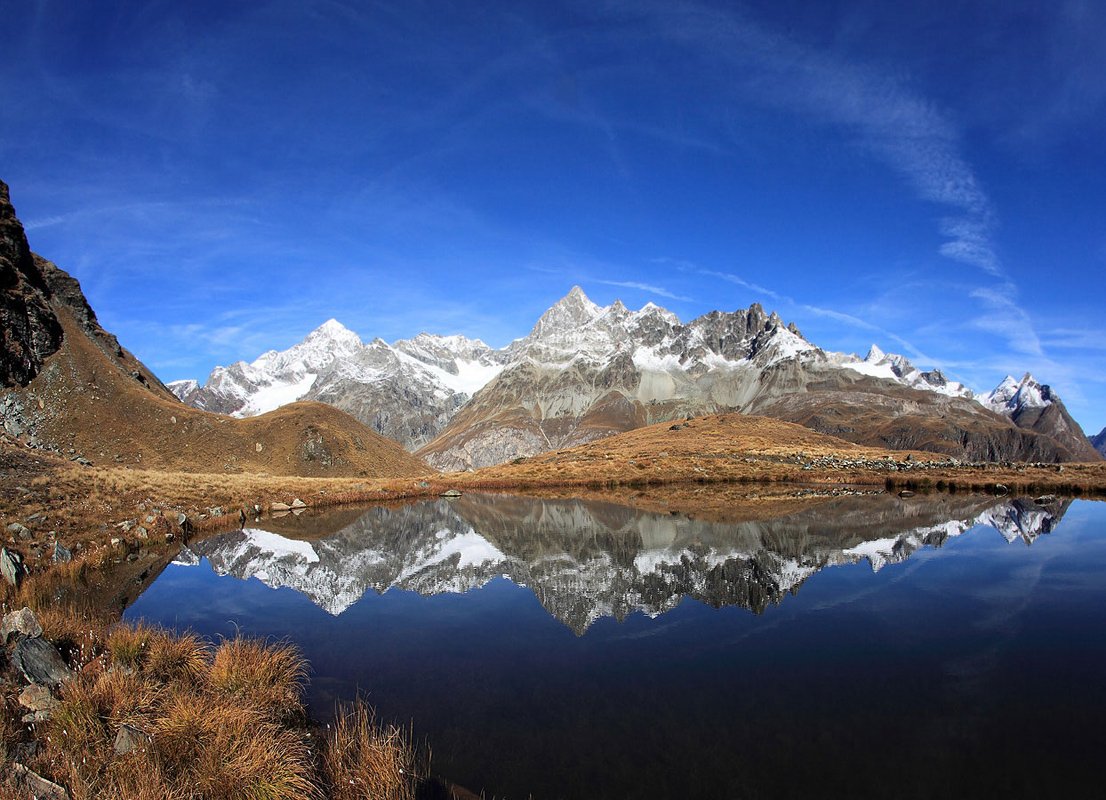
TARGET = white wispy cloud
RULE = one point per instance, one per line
(884, 115)
(1002, 316)
(737, 280)
(1076, 338)
(642, 287)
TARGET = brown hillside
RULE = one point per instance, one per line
(714, 447)
(112, 411)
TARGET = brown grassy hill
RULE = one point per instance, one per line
(113, 411)
(715, 447)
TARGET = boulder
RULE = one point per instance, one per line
(21, 532)
(61, 554)
(37, 697)
(36, 785)
(39, 661)
(11, 566)
(450, 493)
(22, 621)
(131, 738)
(280, 507)
(297, 503)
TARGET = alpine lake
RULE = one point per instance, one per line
(844, 646)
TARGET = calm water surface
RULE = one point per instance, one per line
(864, 647)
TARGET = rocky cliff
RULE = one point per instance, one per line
(29, 331)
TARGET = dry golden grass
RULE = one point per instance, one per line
(227, 750)
(363, 758)
(267, 677)
(226, 725)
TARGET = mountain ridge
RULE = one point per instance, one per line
(585, 371)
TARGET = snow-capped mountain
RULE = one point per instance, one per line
(406, 390)
(586, 371)
(1034, 406)
(588, 560)
(892, 367)
(1012, 396)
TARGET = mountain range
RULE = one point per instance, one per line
(585, 559)
(586, 371)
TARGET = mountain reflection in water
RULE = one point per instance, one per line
(855, 675)
(585, 560)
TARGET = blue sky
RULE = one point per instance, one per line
(223, 177)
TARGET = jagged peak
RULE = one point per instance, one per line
(1012, 394)
(875, 354)
(575, 295)
(570, 312)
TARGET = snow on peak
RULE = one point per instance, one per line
(182, 388)
(897, 368)
(1012, 395)
(875, 355)
(651, 309)
(333, 331)
(566, 316)
(783, 344)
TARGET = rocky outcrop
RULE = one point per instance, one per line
(29, 331)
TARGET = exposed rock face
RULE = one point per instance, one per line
(29, 331)
(1099, 442)
(585, 372)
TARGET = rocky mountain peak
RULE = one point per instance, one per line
(334, 330)
(570, 312)
(875, 355)
(1012, 395)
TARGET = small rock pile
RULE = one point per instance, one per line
(37, 667)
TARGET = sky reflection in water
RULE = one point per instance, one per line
(572, 649)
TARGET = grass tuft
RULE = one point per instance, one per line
(269, 677)
(362, 758)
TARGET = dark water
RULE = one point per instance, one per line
(572, 649)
